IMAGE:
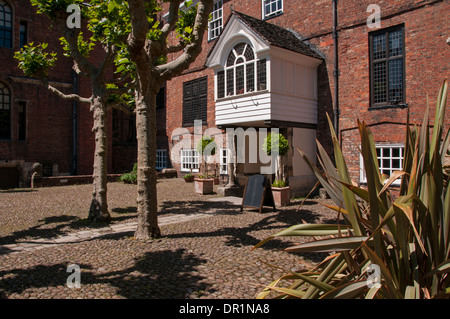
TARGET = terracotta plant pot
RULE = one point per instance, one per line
(204, 185)
(281, 196)
(189, 179)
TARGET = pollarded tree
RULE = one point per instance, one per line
(34, 61)
(148, 45)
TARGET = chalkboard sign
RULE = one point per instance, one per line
(257, 193)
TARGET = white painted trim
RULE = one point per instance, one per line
(362, 174)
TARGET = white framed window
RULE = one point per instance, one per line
(216, 23)
(161, 159)
(242, 73)
(390, 159)
(271, 8)
(224, 160)
(189, 160)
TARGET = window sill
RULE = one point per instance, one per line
(234, 97)
(389, 106)
(189, 171)
(213, 39)
(272, 16)
(193, 124)
(395, 184)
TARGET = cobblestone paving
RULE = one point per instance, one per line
(207, 254)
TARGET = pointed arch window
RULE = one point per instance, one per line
(5, 112)
(5, 25)
(242, 73)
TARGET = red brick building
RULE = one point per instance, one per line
(270, 64)
(372, 60)
(36, 126)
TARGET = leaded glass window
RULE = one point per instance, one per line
(387, 66)
(5, 25)
(242, 74)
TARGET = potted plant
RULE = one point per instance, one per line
(188, 178)
(281, 193)
(280, 190)
(203, 183)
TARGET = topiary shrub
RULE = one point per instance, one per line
(206, 147)
(272, 142)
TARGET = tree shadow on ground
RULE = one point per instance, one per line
(249, 235)
(54, 226)
(20, 279)
(241, 235)
(125, 210)
(161, 275)
(195, 207)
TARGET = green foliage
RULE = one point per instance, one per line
(52, 7)
(130, 177)
(187, 176)
(84, 47)
(279, 184)
(184, 27)
(406, 235)
(33, 60)
(272, 141)
(206, 146)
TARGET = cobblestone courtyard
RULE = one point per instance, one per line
(205, 251)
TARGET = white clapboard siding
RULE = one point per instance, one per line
(248, 108)
(293, 109)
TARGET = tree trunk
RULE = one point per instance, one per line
(147, 200)
(98, 212)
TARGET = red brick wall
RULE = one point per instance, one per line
(49, 122)
(427, 56)
(49, 128)
(49, 118)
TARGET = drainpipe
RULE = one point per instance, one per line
(74, 125)
(336, 110)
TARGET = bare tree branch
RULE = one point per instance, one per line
(110, 51)
(75, 97)
(71, 36)
(172, 21)
(120, 107)
(174, 68)
(139, 22)
(177, 47)
(121, 79)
